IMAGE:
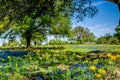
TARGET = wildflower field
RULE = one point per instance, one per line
(61, 63)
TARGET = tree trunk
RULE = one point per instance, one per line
(28, 42)
(28, 38)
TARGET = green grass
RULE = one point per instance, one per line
(41, 61)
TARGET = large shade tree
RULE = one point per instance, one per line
(61, 26)
(83, 35)
(45, 10)
(28, 29)
(16, 9)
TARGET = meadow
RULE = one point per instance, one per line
(66, 62)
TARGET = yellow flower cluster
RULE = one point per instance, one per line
(109, 54)
(92, 68)
(102, 71)
(47, 56)
(98, 75)
(55, 55)
(87, 60)
(63, 67)
(95, 61)
(37, 51)
(40, 58)
(113, 57)
(117, 55)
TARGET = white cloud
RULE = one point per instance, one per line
(102, 29)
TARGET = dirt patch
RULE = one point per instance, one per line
(115, 75)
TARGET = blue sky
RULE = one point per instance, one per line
(105, 21)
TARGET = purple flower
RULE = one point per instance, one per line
(39, 78)
(59, 71)
(77, 65)
(51, 73)
(76, 79)
(88, 73)
(82, 65)
(71, 69)
(100, 64)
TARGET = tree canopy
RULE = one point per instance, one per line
(61, 26)
(83, 35)
(27, 29)
(28, 18)
(117, 34)
(17, 9)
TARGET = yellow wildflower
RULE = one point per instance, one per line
(47, 56)
(109, 54)
(30, 58)
(55, 55)
(92, 68)
(40, 58)
(101, 55)
(95, 61)
(37, 51)
(34, 50)
(117, 55)
(86, 61)
(62, 67)
(113, 57)
(98, 75)
(102, 71)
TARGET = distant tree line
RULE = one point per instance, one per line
(81, 35)
(78, 36)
